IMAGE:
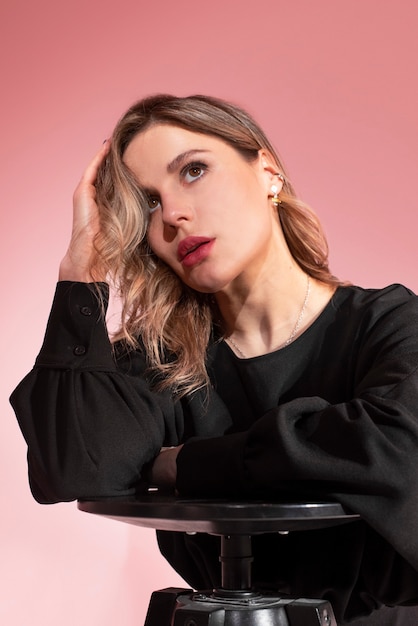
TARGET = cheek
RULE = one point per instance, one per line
(153, 237)
(156, 241)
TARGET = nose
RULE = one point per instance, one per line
(175, 209)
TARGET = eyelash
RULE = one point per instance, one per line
(183, 173)
(194, 166)
(151, 199)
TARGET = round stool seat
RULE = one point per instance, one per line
(219, 517)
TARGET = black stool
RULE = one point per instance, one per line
(235, 603)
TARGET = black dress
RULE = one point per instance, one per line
(334, 414)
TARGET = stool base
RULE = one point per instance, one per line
(184, 607)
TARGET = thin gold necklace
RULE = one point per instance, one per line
(294, 330)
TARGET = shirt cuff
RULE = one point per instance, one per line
(76, 334)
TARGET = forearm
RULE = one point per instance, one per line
(89, 426)
(361, 453)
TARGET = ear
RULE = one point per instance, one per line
(270, 170)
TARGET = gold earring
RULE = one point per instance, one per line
(274, 189)
(275, 199)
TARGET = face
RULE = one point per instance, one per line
(211, 218)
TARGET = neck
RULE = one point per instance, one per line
(270, 303)
(268, 316)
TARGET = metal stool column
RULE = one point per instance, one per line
(235, 603)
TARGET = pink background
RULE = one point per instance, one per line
(335, 86)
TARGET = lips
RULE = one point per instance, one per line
(192, 250)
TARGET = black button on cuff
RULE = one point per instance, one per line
(79, 350)
(86, 310)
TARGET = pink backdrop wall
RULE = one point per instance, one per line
(335, 86)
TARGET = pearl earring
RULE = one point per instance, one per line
(275, 199)
(275, 190)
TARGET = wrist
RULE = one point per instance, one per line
(79, 272)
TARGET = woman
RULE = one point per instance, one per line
(242, 367)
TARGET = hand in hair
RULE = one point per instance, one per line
(78, 260)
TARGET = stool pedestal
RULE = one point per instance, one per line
(178, 607)
(235, 603)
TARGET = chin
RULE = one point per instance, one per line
(207, 286)
(203, 289)
(205, 279)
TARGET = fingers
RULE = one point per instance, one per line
(77, 261)
(163, 472)
(90, 173)
(85, 190)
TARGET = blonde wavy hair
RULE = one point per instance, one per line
(171, 322)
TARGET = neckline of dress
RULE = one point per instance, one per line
(284, 349)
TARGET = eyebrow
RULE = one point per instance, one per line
(181, 158)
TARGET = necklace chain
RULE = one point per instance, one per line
(294, 330)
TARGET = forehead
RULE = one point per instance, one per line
(154, 149)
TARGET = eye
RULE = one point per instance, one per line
(193, 171)
(153, 203)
